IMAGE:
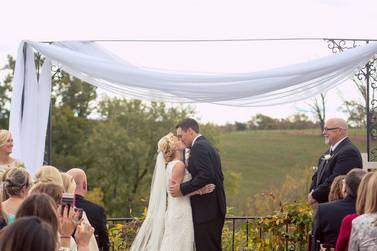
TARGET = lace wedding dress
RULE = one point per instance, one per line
(179, 229)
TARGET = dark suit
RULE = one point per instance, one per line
(328, 219)
(208, 210)
(97, 218)
(345, 157)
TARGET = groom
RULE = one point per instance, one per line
(208, 210)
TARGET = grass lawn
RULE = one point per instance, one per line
(264, 158)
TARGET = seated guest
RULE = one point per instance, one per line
(48, 173)
(336, 188)
(330, 215)
(364, 228)
(29, 234)
(42, 206)
(95, 213)
(6, 147)
(16, 184)
(52, 189)
(70, 187)
(61, 220)
(345, 227)
(56, 191)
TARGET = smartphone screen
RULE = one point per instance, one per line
(78, 214)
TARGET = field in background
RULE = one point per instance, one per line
(265, 158)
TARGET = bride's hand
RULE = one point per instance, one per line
(209, 188)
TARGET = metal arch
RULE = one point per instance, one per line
(368, 75)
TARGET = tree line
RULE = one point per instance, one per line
(264, 122)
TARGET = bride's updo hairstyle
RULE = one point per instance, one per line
(166, 145)
(4, 136)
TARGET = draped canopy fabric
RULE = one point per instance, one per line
(94, 64)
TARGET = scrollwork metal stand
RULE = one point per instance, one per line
(367, 75)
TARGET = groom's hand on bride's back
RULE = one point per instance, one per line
(209, 188)
(174, 188)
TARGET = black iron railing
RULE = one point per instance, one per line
(240, 233)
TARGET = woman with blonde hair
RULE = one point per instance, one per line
(364, 228)
(345, 228)
(6, 147)
(48, 173)
(70, 187)
(16, 185)
(69, 183)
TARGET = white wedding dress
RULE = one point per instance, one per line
(179, 228)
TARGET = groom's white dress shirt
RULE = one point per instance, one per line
(187, 150)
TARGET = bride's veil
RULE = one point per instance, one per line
(151, 231)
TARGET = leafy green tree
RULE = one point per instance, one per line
(73, 93)
(121, 150)
(5, 89)
(73, 101)
(240, 126)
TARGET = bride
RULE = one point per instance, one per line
(168, 225)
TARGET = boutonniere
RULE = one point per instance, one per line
(315, 168)
(327, 157)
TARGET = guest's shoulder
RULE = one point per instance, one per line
(364, 218)
(350, 217)
(323, 208)
(329, 204)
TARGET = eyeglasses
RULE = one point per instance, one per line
(330, 129)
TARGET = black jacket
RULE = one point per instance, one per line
(328, 219)
(345, 157)
(97, 218)
(205, 167)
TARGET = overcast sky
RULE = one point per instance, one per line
(87, 20)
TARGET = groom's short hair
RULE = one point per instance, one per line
(188, 123)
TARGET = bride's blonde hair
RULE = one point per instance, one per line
(166, 145)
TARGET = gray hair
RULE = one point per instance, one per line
(341, 123)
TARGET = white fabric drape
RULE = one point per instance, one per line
(30, 108)
(94, 64)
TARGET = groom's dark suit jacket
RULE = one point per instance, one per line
(205, 167)
(97, 218)
(345, 157)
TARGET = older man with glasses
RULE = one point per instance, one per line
(339, 159)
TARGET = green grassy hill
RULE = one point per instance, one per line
(265, 158)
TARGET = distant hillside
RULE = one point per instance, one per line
(264, 158)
